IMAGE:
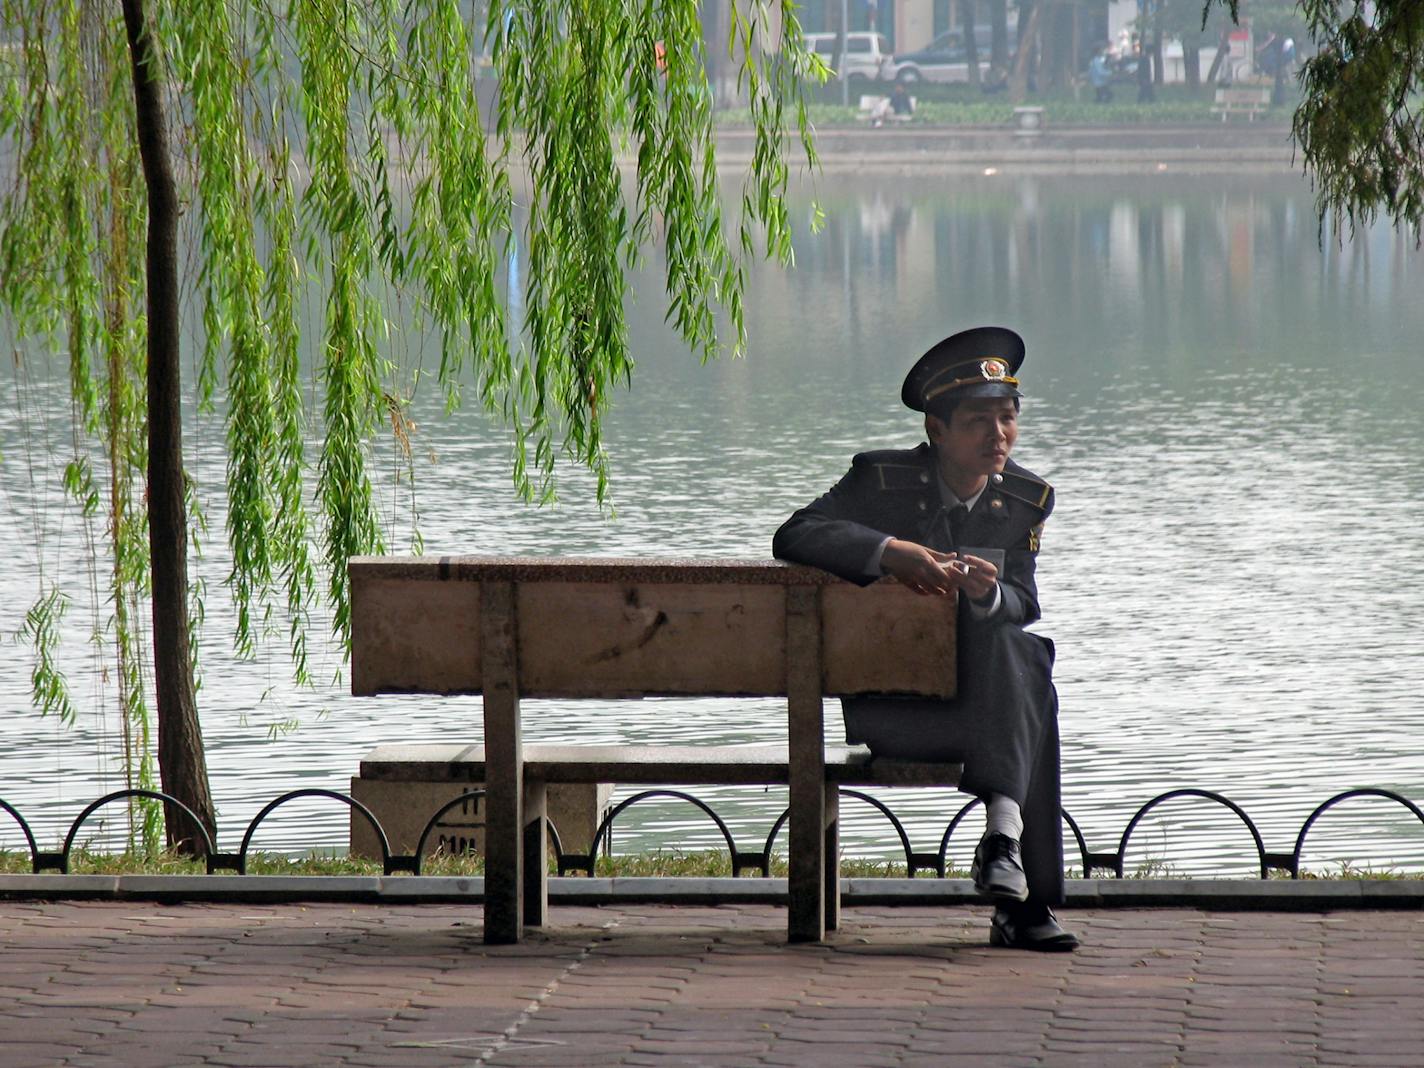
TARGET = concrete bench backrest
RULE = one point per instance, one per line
(646, 627)
(1249, 96)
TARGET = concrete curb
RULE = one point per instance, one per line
(1222, 894)
(1180, 149)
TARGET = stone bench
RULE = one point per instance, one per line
(554, 767)
(1242, 100)
(591, 628)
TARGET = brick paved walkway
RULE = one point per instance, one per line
(134, 984)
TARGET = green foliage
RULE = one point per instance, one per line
(670, 863)
(72, 273)
(1174, 106)
(1348, 869)
(47, 681)
(715, 862)
(336, 169)
(667, 863)
(1274, 16)
(1361, 125)
(1188, 22)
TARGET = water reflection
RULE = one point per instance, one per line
(1226, 407)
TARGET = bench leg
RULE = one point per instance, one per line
(536, 859)
(504, 766)
(504, 855)
(833, 857)
(805, 885)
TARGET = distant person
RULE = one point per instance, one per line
(899, 105)
(1285, 66)
(1268, 55)
(956, 517)
(1100, 76)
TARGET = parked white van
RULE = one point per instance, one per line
(866, 53)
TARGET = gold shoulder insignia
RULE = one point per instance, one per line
(902, 476)
(1032, 491)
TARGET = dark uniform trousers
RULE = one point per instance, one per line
(1003, 725)
(1003, 722)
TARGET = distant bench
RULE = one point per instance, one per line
(595, 628)
(1242, 100)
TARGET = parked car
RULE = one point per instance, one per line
(867, 54)
(944, 59)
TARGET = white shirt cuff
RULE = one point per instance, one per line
(873, 567)
(985, 611)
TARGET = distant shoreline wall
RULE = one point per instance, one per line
(1206, 148)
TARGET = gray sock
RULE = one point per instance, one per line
(1004, 817)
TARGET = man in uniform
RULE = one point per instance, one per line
(956, 516)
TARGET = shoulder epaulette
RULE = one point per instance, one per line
(896, 469)
(902, 476)
(1024, 486)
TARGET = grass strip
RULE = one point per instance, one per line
(959, 105)
(661, 863)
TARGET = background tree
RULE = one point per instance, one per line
(1359, 125)
(1273, 24)
(1023, 74)
(1148, 31)
(336, 152)
(971, 43)
(999, 35)
(1182, 19)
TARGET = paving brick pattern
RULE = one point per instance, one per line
(134, 984)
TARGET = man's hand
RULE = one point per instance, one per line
(922, 569)
(929, 571)
(978, 584)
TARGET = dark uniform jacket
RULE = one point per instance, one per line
(895, 493)
(1003, 723)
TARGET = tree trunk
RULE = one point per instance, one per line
(1028, 37)
(1060, 74)
(716, 23)
(1223, 48)
(1191, 66)
(1145, 93)
(181, 763)
(971, 46)
(999, 34)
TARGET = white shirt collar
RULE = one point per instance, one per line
(949, 498)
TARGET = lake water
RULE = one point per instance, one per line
(1227, 409)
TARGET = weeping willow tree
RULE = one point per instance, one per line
(321, 146)
(1360, 123)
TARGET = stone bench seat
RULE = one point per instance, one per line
(645, 765)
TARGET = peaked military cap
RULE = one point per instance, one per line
(980, 362)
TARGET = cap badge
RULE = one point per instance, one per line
(993, 370)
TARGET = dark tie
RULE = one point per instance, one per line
(958, 517)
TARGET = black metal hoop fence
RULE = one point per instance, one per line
(742, 860)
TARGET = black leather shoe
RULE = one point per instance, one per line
(998, 869)
(1030, 927)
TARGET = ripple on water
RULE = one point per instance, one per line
(1232, 575)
